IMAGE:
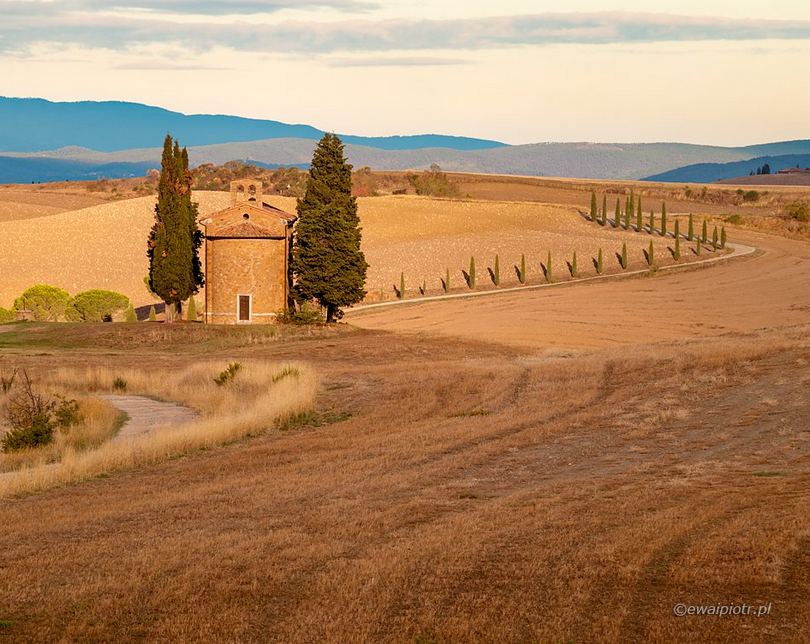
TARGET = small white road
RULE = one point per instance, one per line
(146, 414)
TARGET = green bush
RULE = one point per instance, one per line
(152, 314)
(96, 306)
(130, 315)
(119, 384)
(750, 195)
(307, 313)
(191, 310)
(433, 183)
(735, 220)
(44, 301)
(6, 315)
(228, 374)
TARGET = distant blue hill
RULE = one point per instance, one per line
(711, 172)
(34, 124)
(40, 170)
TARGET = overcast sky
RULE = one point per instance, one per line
(519, 71)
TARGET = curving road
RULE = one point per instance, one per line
(768, 289)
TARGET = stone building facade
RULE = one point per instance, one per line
(247, 251)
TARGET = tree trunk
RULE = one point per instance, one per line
(330, 313)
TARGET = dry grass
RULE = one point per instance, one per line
(570, 510)
(99, 422)
(261, 396)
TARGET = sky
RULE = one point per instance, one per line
(519, 71)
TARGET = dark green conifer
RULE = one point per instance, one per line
(574, 265)
(617, 215)
(599, 262)
(175, 271)
(690, 234)
(705, 232)
(594, 212)
(624, 256)
(604, 209)
(327, 261)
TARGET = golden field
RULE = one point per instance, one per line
(564, 464)
(104, 246)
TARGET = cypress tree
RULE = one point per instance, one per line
(664, 221)
(631, 202)
(447, 282)
(496, 272)
(175, 271)
(651, 254)
(722, 237)
(624, 256)
(327, 262)
(604, 209)
(618, 213)
(472, 273)
(627, 214)
(130, 315)
(652, 222)
(574, 265)
(698, 247)
(705, 236)
(522, 276)
(714, 238)
(152, 314)
(677, 253)
(599, 262)
(594, 213)
(639, 222)
(690, 235)
(549, 273)
(628, 204)
(677, 232)
(402, 286)
(191, 310)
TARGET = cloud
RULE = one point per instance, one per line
(400, 61)
(100, 29)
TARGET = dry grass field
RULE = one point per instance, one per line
(103, 246)
(552, 465)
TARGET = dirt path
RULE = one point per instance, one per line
(739, 296)
(146, 414)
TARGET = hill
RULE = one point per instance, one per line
(34, 124)
(711, 172)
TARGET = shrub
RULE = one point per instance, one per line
(152, 314)
(6, 315)
(433, 183)
(750, 195)
(44, 301)
(228, 374)
(798, 210)
(96, 305)
(7, 379)
(191, 310)
(33, 417)
(130, 315)
(119, 384)
(307, 313)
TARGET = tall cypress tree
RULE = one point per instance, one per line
(327, 262)
(604, 209)
(593, 206)
(638, 214)
(617, 214)
(175, 271)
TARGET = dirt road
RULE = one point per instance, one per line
(771, 289)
